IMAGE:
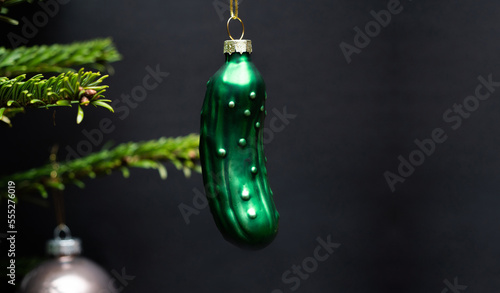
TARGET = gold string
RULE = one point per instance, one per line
(59, 206)
(57, 194)
(234, 12)
(234, 15)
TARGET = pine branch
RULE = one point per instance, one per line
(3, 10)
(181, 151)
(58, 58)
(7, 3)
(82, 88)
(8, 19)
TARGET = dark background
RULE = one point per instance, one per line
(326, 167)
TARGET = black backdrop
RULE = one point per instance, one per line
(353, 120)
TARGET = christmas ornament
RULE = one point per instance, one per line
(67, 272)
(231, 147)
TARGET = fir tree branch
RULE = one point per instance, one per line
(8, 20)
(3, 10)
(82, 88)
(181, 151)
(58, 58)
(7, 3)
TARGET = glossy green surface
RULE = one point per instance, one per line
(232, 154)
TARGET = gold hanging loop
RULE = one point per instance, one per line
(234, 15)
(242, 25)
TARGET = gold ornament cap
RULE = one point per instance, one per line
(237, 46)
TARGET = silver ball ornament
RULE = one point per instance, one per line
(67, 272)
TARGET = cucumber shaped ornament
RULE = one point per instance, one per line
(232, 153)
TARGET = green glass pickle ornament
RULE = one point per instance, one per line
(232, 152)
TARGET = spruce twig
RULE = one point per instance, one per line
(58, 57)
(82, 88)
(7, 3)
(8, 20)
(3, 10)
(181, 151)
